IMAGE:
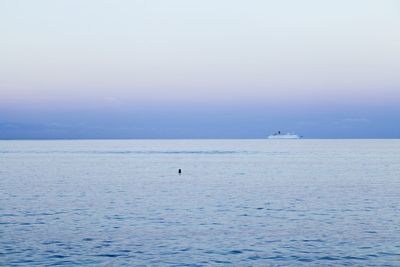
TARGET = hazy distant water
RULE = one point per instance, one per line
(238, 202)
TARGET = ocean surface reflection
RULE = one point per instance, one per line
(237, 202)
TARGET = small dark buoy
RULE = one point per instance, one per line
(179, 171)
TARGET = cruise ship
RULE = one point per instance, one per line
(280, 135)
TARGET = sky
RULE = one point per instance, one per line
(199, 69)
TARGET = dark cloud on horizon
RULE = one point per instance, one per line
(250, 122)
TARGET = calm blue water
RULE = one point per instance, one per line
(237, 202)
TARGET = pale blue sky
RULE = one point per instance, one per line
(183, 68)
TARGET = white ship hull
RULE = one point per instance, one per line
(284, 136)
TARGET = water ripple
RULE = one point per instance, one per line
(240, 203)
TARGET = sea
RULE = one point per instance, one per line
(236, 203)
